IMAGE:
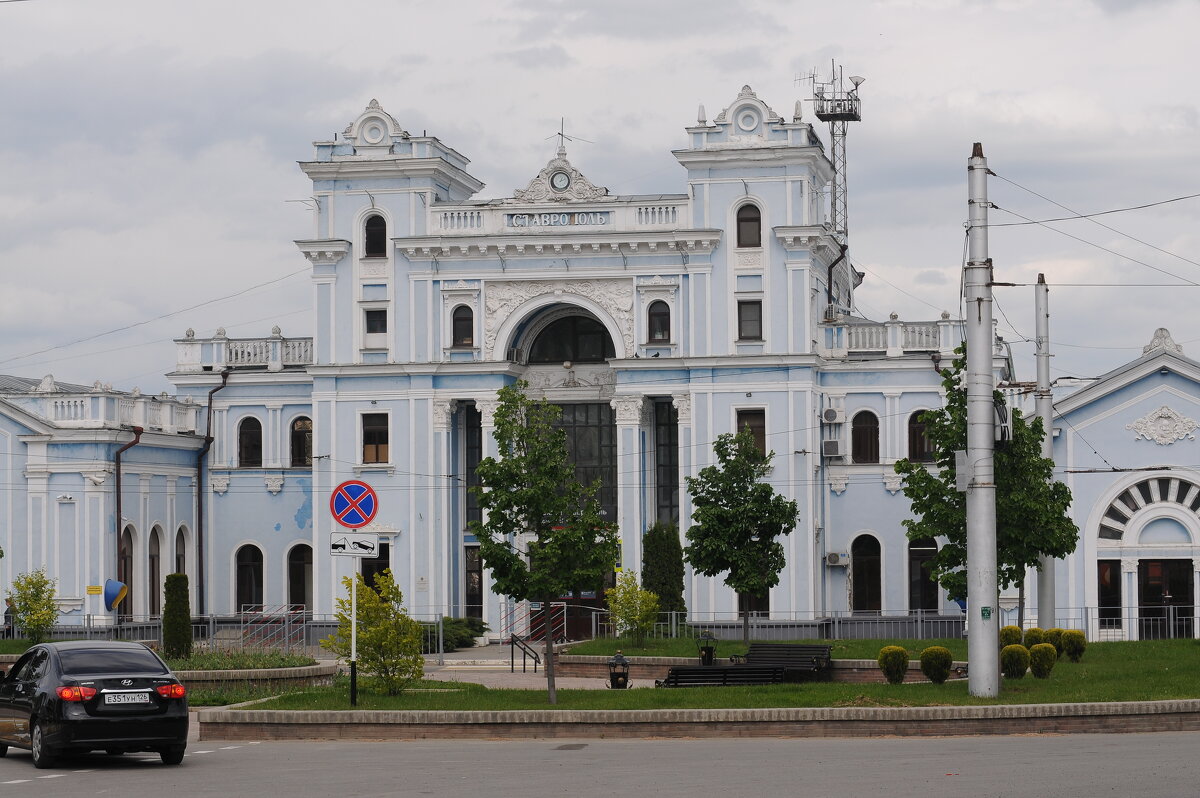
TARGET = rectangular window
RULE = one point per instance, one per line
(376, 321)
(375, 437)
(370, 566)
(472, 454)
(666, 461)
(750, 320)
(473, 582)
(756, 420)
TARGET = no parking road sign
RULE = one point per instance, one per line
(353, 504)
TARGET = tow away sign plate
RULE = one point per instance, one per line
(353, 544)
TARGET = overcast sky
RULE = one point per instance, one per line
(149, 148)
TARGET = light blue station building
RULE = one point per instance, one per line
(657, 322)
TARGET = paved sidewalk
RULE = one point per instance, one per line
(492, 666)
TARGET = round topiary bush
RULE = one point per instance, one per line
(1010, 635)
(1054, 638)
(1014, 661)
(1034, 636)
(1073, 644)
(1041, 660)
(935, 663)
(893, 661)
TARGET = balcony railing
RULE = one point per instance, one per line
(217, 353)
(102, 408)
(892, 338)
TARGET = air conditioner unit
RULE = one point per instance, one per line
(837, 558)
(832, 448)
(833, 415)
(831, 313)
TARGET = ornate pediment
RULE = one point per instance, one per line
(1162, 340)
(1164, 426)
(559, 181)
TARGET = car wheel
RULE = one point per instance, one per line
(43, 755)
(172, 755)
(3, 750)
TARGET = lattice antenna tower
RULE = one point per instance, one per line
(834, 104)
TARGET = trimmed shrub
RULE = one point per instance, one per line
(1014, 661)
(662, 566)
(893, 661)
(34, 610)
(1041, 660)
(1073, 644)
(177, 618)
(1034, 636)
(935, 663)
(1054, 638)
(1010, 636)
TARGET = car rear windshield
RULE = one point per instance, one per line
(107, 660)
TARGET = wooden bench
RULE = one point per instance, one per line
(799, 661)
(721, 675)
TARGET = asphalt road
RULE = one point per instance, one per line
(1142, 765)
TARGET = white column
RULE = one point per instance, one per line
(629, 480)
(1129, 597)
(494, 606)
(442, 550)
(683, 411)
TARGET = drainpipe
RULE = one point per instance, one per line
(829, 277)
(137, 437)
(208, 442)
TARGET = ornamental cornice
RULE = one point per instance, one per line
(502, 297)
(628, 409)
(1164, 426)
(671, 242)
(683, 407)
(806, 237)
(324, 252)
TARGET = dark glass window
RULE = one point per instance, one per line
(472, 454)
(154, 572)
(866, 584)
(755, 605)
(864, 438)
(88, 661)
(378, 564)
(592, 446)
(750, 320)
(464, 326)
(375, 437)
(375, 237)
(666, 462)
(250, 443)
(302, 434)
(300, 565)
(756, 420)
(1109, 583)
(749, 226)
(473, 578)
(249, 579)
(180, 552)
(922, 590)
(920, 449)
(375, 320)
(578, 339)
(125, 571)
(659, 318)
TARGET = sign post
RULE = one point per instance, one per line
(353, 505)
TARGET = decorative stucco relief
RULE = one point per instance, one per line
(1164, 426)
(615, 297)
(683, 407)
(220, 483)
(1162, 340)
(629, 409)
(543, 379)
(838, 483)
(443, 413)
(487, 411)
(578, 189)
(892, 482)
(274, 482)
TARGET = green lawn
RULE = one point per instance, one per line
(686, 647)
(1143, 671)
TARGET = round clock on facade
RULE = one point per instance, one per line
(559, 181)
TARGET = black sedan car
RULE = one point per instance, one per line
(92, 695)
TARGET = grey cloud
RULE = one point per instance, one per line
(551, 55)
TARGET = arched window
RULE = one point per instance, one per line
(749, 226)
(920, 450)
(578, 339)
(375, 237)
(250, 443)
(154, 573)
(866, 584)
(180, 552)
(922, 590)
(658, 317)
(248, 580)
(300, 565)
(464, 326)
(125, 571)
(864, 438)
(302, 442)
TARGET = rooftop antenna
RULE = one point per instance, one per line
(834, 104)
(563, 138)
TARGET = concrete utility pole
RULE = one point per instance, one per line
(983, 634)
(1045, 407)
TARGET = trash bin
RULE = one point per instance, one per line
(706, 644)
(618, 672)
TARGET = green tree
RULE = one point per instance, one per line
(530, 490)
(34, 610)
(634, 610)
(1031, 507)
(389, 641)
(177, 618)
(662, 566)
(737, 518)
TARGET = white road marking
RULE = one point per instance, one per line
(81, 771)
(53, 776)
(199, 752)
(229, 747)
(17, 781)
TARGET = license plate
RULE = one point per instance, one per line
(127, 698)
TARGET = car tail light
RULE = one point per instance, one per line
(172, 690)
(76, 693)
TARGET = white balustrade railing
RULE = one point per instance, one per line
(658, 214)
(892, 338)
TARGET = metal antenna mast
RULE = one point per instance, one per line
(837, 106)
